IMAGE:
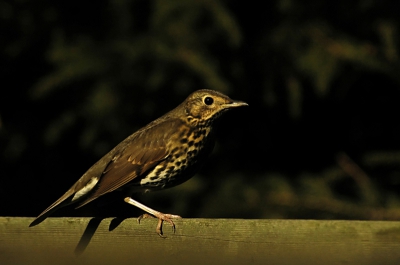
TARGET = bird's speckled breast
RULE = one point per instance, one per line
(188, 147)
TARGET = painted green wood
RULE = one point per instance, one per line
(199, 241)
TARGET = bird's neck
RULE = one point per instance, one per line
(195, 122)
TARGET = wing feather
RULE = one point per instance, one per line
(134, 156)
(141, 154)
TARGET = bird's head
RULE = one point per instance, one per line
(206, 105)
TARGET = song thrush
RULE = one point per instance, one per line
(163, 154)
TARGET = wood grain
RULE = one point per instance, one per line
(199, 241)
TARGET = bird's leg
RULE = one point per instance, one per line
(161, 216)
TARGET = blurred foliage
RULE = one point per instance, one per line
(320, 139)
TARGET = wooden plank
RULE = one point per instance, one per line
(200, 241)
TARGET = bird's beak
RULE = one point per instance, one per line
(235, 103)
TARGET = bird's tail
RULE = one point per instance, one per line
(61, 202)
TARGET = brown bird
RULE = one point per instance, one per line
(163, 154)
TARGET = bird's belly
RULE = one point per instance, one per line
(168, 174)
(178, 167)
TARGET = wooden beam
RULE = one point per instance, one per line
(199, 241)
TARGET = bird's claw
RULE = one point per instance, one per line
(161, 218)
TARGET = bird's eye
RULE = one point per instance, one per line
(208, 100)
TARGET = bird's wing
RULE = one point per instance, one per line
(136, 157)
(132, 157)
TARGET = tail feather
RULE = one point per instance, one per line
(61, 202)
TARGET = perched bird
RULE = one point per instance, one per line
(163, 154)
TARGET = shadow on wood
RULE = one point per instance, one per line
(87, 235)
(199, 241)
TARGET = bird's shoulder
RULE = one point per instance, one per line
(154, 136)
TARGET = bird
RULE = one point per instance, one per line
(166, 152)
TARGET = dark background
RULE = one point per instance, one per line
(319, 140)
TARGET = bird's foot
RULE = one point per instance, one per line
(153, 213)
(161, 218)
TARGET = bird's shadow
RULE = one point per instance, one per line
(91, 229)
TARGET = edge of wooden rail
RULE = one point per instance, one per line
(198, 241)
